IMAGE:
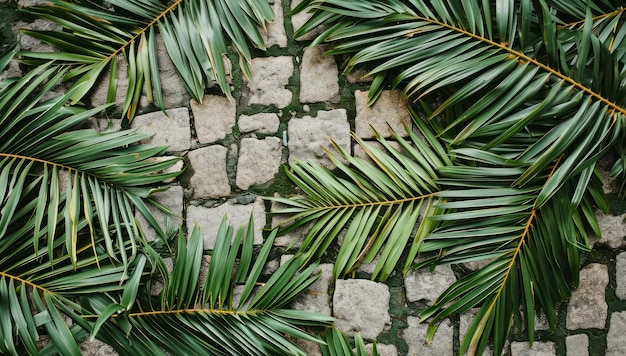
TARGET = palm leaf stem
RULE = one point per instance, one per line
(595, 18)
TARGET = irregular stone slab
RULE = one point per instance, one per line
(172, 199)
(620, 276)
(318, 76)
(32, 44)
(616, 337)
(361, 305)
(388, 110)
(383, 350)
(214, 118)
(259, 161)
(538, 349)
(167, 130)
(316, 297)
(11, 71)
(266, 122)
(415, 337)
(426, 286)
(275, 34)
(269, 77)
(613, 230)
(587, 307)
(577, 345)
(209, 179)
(96, 348)
(238, 215)
(308, 136)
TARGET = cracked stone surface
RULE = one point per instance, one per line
(587, 307)
(415, 336)
(318, 76)
(259, 161)
(166, 130)
(270, 77)
(388, 111)
(237, 215)
(361, 305)
(214, 118)
(209, 178)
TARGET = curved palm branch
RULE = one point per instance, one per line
(196, 34)
(61, 181)
(529, 107)
(229, 312)
(337, 344)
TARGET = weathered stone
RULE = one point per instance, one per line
(620, 276)
(28, 3)
(616, 337)
(103, 125)
(275, 34)
(176, 167)
(316, 298)
(388, 110)
(612, 229)
(261, 123)
(11, 71)
(270, 75)
(294, 238)
(238, 215)
(415, 337)
(426, 286)
(166, 130)
(382, 349)
(577, 345)
(587, 307)
(171, 199)
(358, 76)
(539, 349)
(308, 136)
(259, 161)
(297, 20)
(214, 118)
(361, 306)
(32, 44)
(209, 179)
(318, 76)
(96, 348)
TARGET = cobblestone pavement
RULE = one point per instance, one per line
(295, 100)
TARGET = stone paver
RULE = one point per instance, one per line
(616, 338)
(300, 18)
(522, 348)
(577, 345)
(209, 219)
(270, 77)
(415, 336)
(309, 134)
(587, 307)
(214, 118)
(259, 161)
(361, 305)
(387, 111)
(318, 76)
(426, 286)
(166, 130)
(382, 349)
(209, 179)
(171, 199)
(613, 230)
(620, 273)
(261, 123)
(316, 297)
(276, 34)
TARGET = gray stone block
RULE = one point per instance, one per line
(415, 337)
(173, 200)
(316, 297)
(270, 75)
(426, 286)
(214, 118)
(261, 123)
(166, 130)
(259, 161)
(209, 179)
(308, 136)
(237, 215)
(613, 230)
(587, 307)
(318, 76)
(577, 345)
(275, 33)
(361, 305)
(382, 349)
(539, 349)
(620, 276)
(292, 239)
(616, 337)
(388, 110)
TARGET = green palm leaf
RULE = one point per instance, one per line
(195, 33)
(337, 344)
(229, 312)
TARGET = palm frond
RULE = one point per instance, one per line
(229, 312)
(195, 33)
(337, 344)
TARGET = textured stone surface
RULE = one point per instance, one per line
(620, 275)
(176, 167)
(171, 199)
(259, 161)
(316, 297)
(616, 338)
(33, 44)
(318, 76)
(11, 71)
(294, 238)
(309, 134)
(300, 18)
(96, 348)
(269, 77)
(261, 123)
(613, 230)
(166, 130)
(361, 305)
(209, 179)
(587, 307)
(388, 110)
(275, 34)
(577, 345)
(382, 349)
(423, 285)
(214, 118)
(538, 349)
(209, 219)
(415, 337)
